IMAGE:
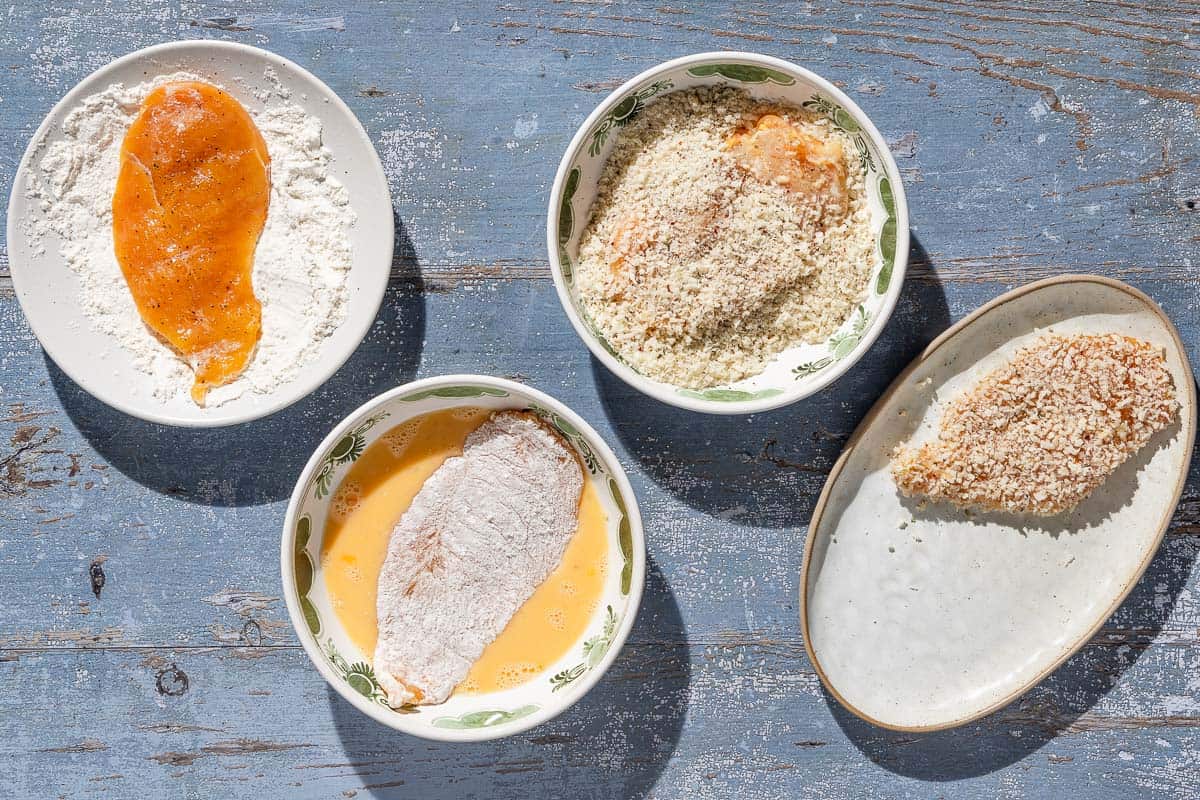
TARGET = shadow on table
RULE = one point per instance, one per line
(766, 470)
(258, 462)
(1054, 706)
(615, 742)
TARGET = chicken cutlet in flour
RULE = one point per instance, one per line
(483, 532)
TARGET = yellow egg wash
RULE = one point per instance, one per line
(378, 490)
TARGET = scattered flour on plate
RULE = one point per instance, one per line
(300, 266)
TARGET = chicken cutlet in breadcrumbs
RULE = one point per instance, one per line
(1039, 434)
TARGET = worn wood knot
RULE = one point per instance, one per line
(96, 575)
(220, 24)
(171, 681)
(252, 633)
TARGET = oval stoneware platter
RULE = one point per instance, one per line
(923, 616)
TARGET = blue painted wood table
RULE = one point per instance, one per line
(1033, 141)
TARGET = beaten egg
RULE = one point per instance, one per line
(373, 497)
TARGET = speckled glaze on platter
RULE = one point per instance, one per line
(924, 618)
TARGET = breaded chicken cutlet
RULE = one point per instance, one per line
(1042, 432)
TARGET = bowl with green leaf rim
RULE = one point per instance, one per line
(470, 717)
(800, 370)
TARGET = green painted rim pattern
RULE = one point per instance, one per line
(303, 567)
(454, 391)
(844, 121)
(483, 719)
(743, 73)
(840, 345)
(566, 223)
(719, 395)
(622, 114)
(887, 236)
(360, 676)
(887, 198)
(573, 437)
(594, 649)
(344, 450)
(596, 467)
(624, 536)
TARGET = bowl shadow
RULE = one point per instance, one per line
(766, 469)
(258, 462)
(1058, 704)
(616, 740)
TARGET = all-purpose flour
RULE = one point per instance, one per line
(300, 266)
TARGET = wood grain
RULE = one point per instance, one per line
(144, 648)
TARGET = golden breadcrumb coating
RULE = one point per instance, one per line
(725, 230)
(1040, 433)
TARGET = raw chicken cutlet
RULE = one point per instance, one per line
(190, 203)
(483, 532)
(1039, 434)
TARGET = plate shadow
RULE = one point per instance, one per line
(769, 468)
(258, 462)
(616, 740)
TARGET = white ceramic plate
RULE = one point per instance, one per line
(799, 371)
(922, 619)
(470, 717)
(48, 290)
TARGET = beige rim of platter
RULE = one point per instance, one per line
(1187, 398)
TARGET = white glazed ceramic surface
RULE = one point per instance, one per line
(799, 371)
(49, 291)
(925, 618)
(470, 717)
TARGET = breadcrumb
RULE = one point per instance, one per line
(1040, 433)
(725, 230)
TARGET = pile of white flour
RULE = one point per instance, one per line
(300, 267)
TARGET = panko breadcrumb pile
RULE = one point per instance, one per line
(1039, 434)
(725, 230)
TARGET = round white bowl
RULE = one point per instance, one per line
(801, 370)
(48, 289)
(480, 716)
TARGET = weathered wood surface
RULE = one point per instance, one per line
(1034, 140)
